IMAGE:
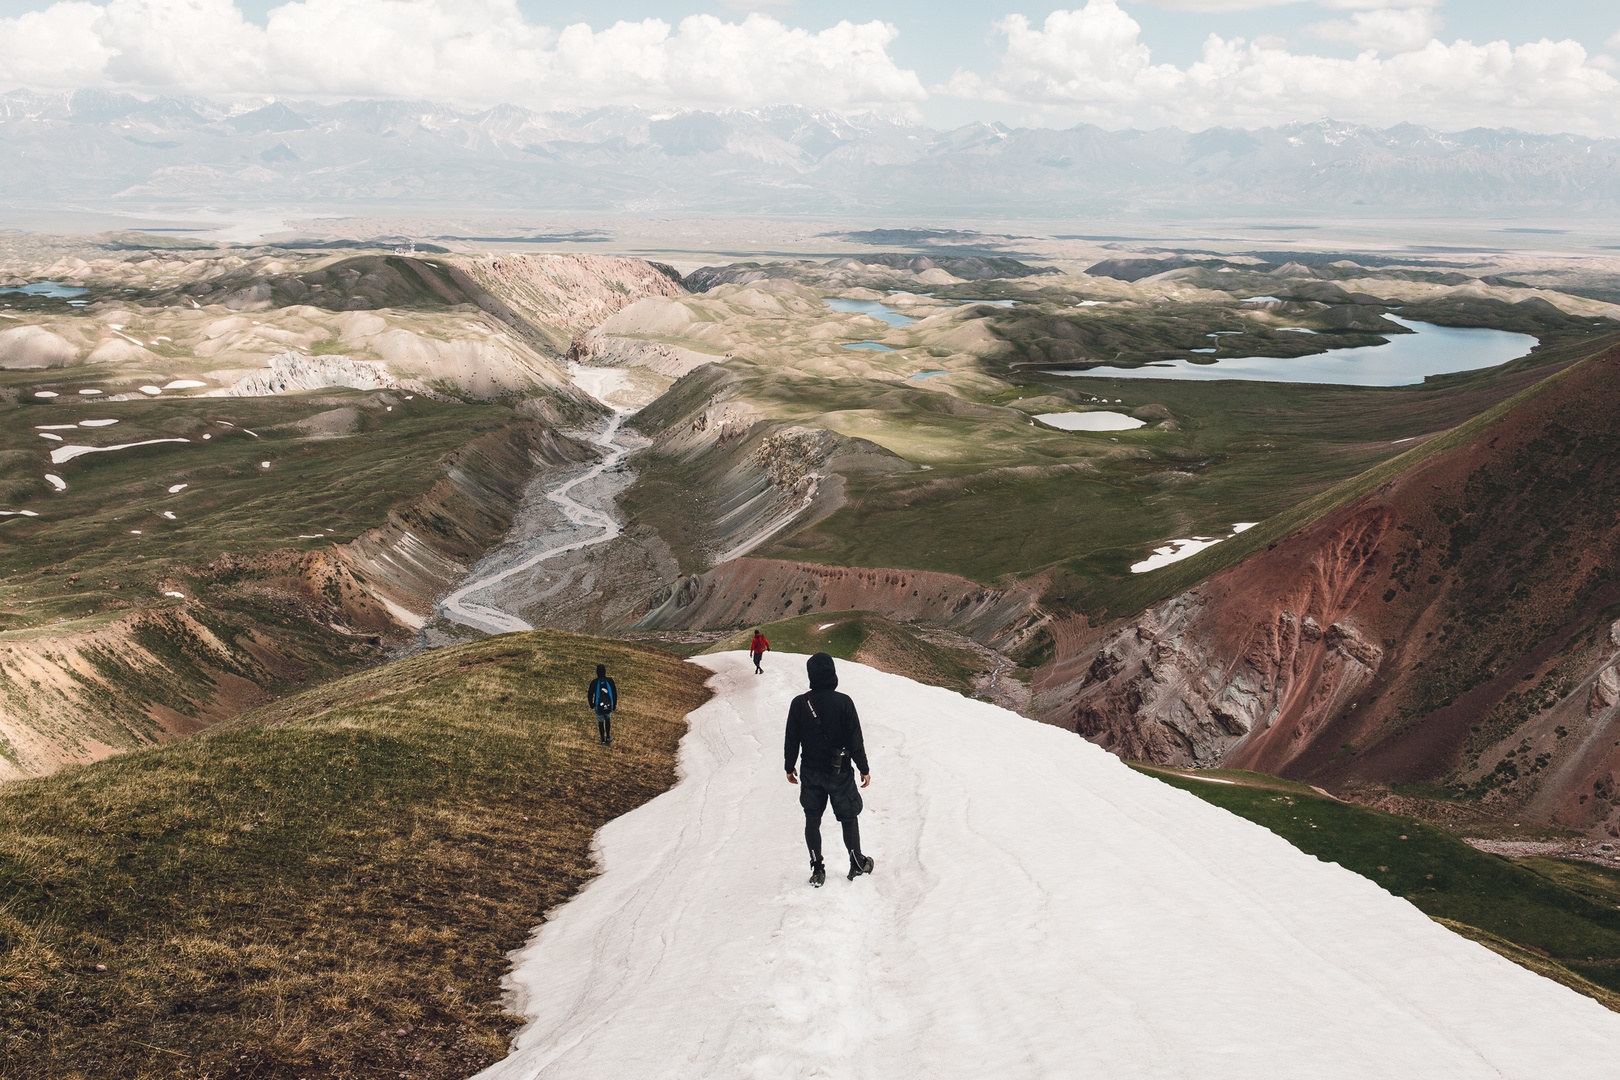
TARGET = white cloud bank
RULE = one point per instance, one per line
(1389, 30)
(1090, 64)
(471, 51)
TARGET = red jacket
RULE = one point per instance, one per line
(759, 644)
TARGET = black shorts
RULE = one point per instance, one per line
(815, 788)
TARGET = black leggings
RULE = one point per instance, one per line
(604, 725)
(812, 837)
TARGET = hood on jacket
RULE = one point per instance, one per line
(822, 675)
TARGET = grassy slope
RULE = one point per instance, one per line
(1246, 452)
(1134, 592)
(232, 504)
(866, 638)
(326, 886)
(1562, 913)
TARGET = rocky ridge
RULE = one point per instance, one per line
(1454, 627)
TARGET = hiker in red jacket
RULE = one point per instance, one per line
(758, 647)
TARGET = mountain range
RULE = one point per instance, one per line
(98, 147)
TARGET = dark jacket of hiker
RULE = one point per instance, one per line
(824, 724)
(759, 644)
(612, 694)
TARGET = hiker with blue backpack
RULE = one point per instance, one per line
(603, 696)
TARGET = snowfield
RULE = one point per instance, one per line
(1038, 910)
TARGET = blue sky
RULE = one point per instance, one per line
(1118, 63)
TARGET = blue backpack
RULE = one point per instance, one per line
(602, 695)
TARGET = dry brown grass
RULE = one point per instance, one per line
(326, 887)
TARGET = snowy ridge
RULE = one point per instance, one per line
(1038, 910)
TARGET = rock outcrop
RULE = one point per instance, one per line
(1204, 672)
(747, 592)
(290, 372)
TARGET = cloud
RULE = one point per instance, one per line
(469, 51)
(1090, 64)
(1221, 6)
(1389, 30)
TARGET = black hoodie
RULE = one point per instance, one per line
(824, 723)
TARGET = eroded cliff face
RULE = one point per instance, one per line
(745, 592)
(1236, 671)
(1456, 626)
(556, 297)
(244, 630)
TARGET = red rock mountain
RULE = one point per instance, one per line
(1456, 625)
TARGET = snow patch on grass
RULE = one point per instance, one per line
(1175, 550)
(68, 453)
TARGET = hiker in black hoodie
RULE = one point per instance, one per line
(824, 725)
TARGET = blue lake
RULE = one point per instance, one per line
(1407, 359)
(925, 375)
(45, 288)
(870, 345)
(872, 308)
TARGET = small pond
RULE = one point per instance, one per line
(1407, 359)
(925, 375)
(871, 345)
(46, 288)
(1090, 421)
(872, 308)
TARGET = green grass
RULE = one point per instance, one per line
(81, 555)
(1561, 915)
(1084, 506)
(327, 886)
(867, 638)
(991, 495)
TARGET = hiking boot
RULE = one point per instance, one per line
(818, 874)
(859, 866)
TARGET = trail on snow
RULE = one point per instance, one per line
(1038, 910)
(493, 620)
